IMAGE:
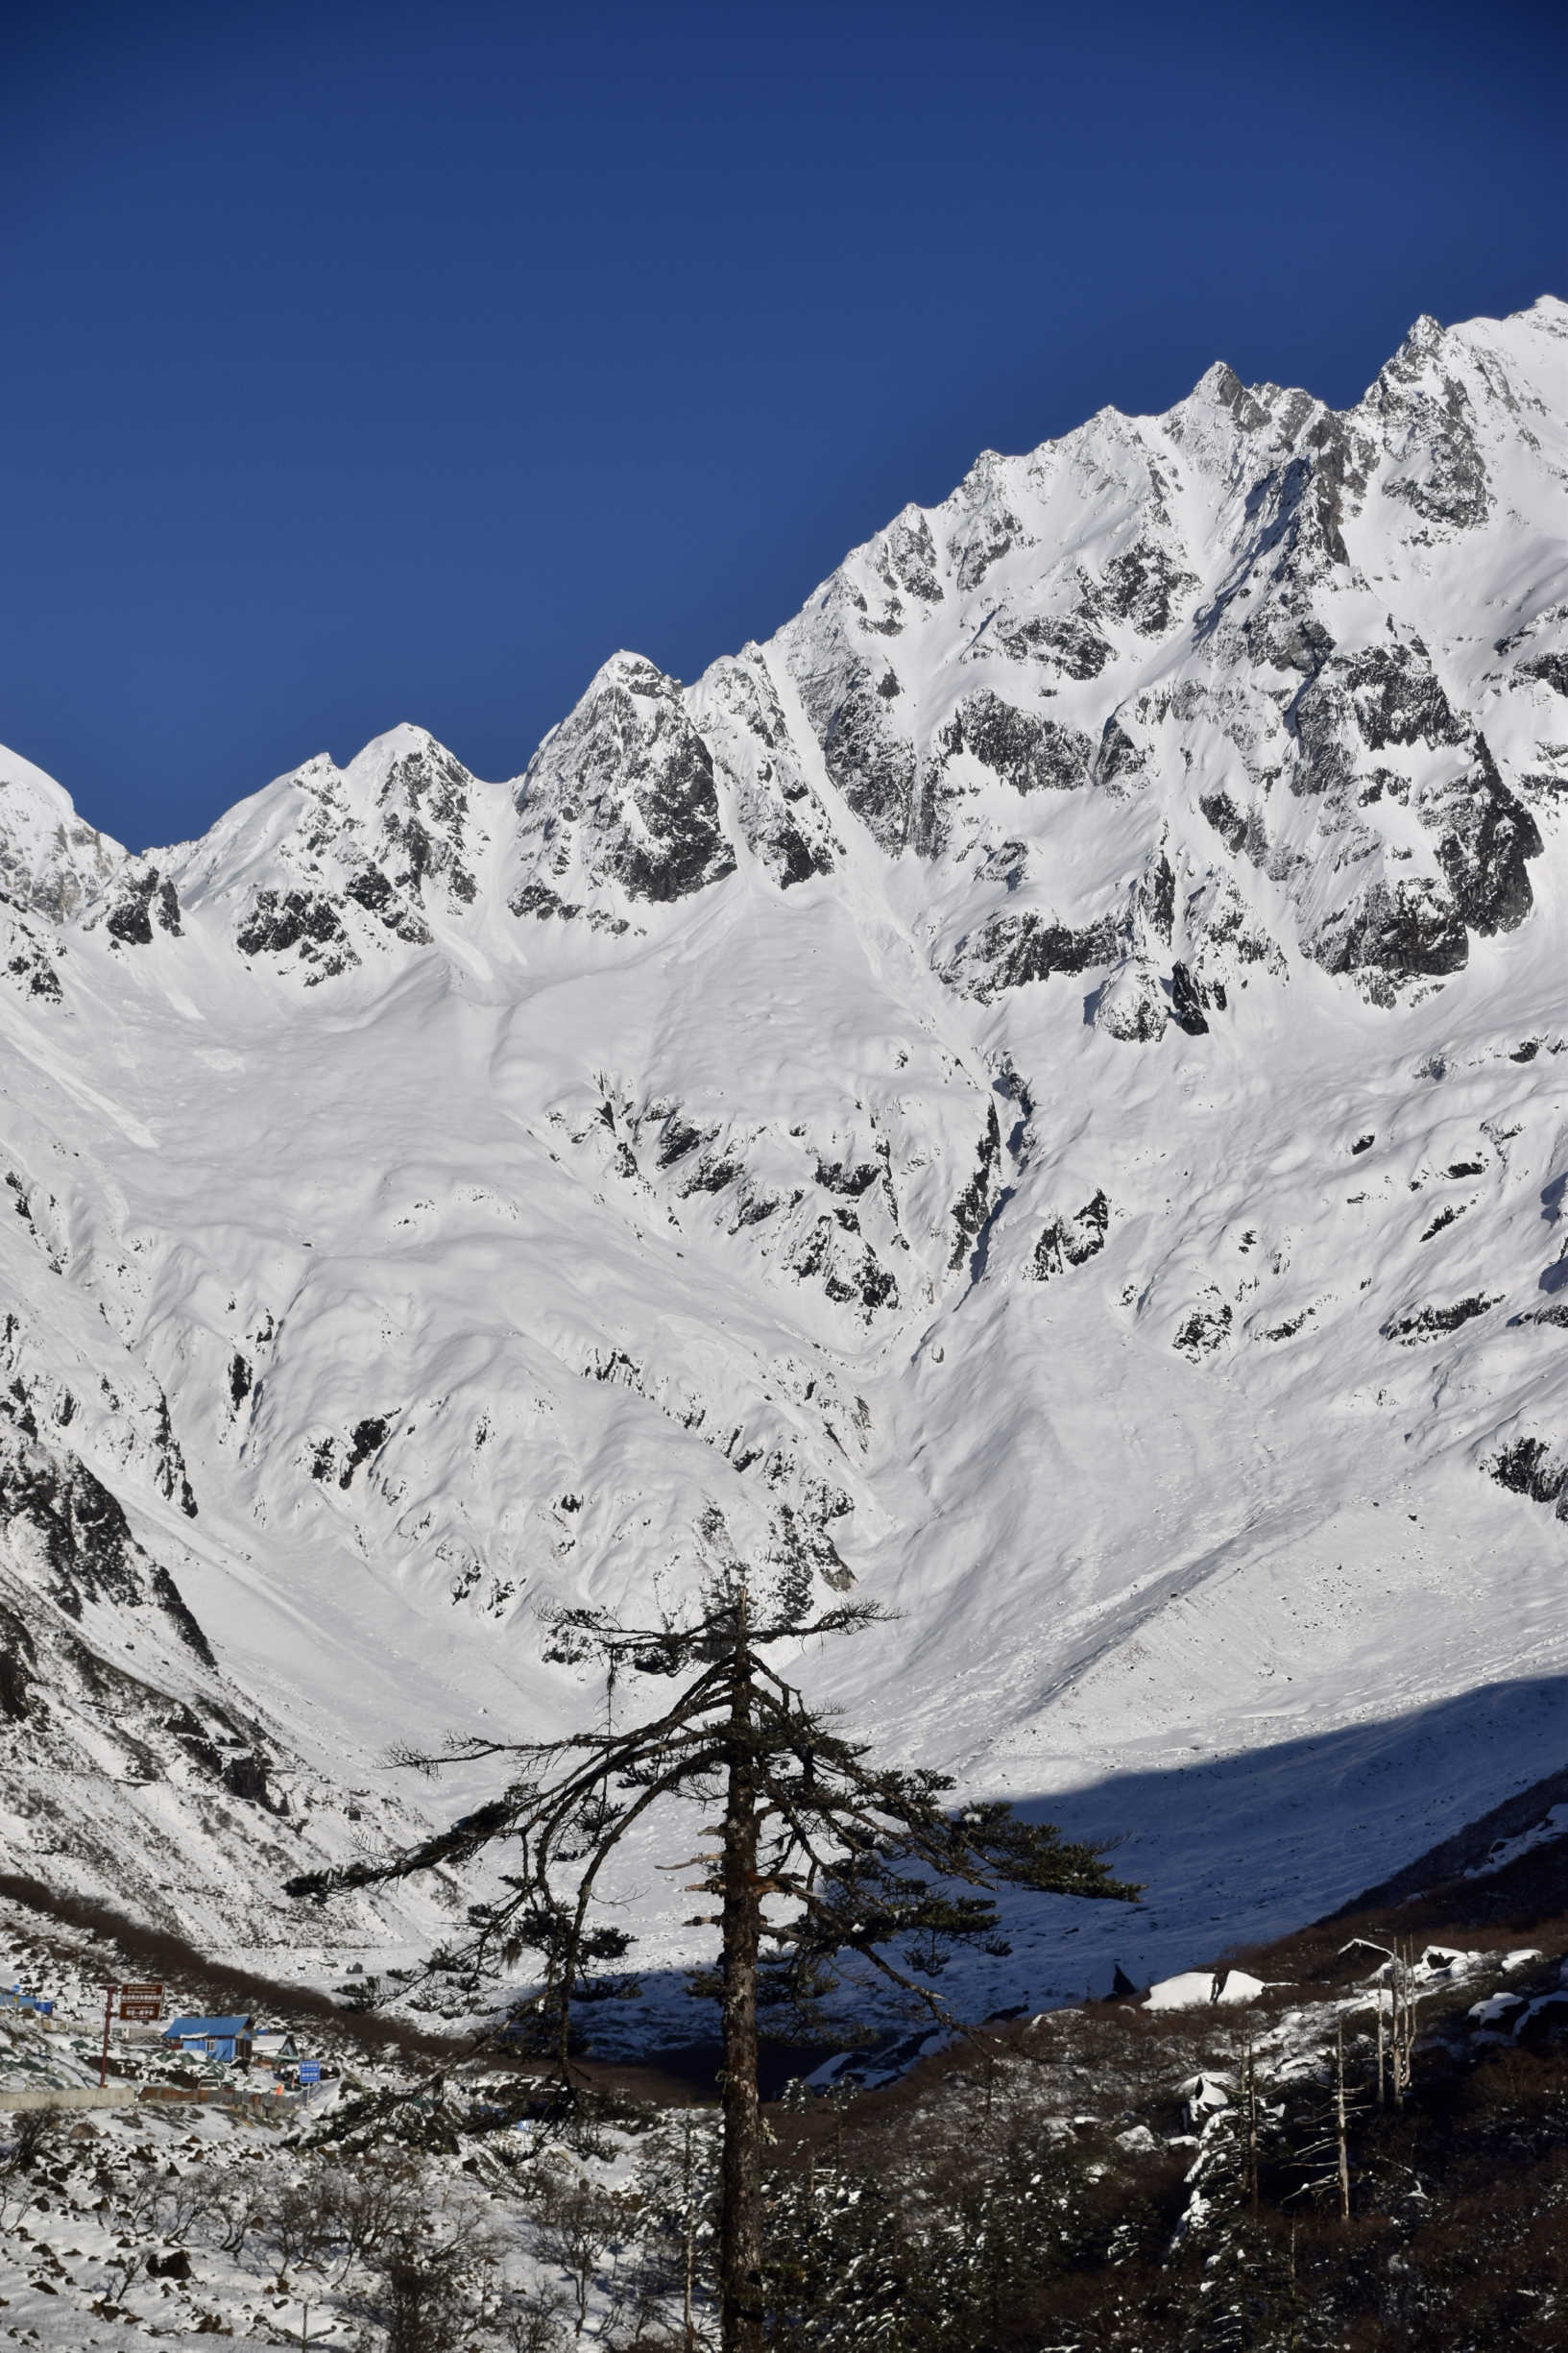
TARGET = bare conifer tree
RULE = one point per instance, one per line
(821, 1858)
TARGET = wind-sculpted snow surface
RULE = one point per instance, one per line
(1038, 1093)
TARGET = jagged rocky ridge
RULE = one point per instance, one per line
(964, 1099)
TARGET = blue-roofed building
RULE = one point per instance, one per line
(225, 2040)
(14, 1998)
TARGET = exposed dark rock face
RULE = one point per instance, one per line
(170, 1461)
(1551, 669)
(142, 897)
(1430, 429)
(394, 836)
(1030, 754)
(310, 920)
(539, 899)
(1160, 897)
(1205, 1329)
(246, 1777)
(871, 761)
(1413, 928)
(973, 1205)
(802, 1544)
(372, 890)
(684, 848)
(1143, 588)
(1012, 950)
(988, 528)
(1431, 1322)
(1072, 1242)
(1533, 1466)
(187, 1728)
(425, 810)
(1484, 834)
(1239, 832)
(1397, 698)
(1186, 1003)
(18, 1666)
(906, 558)
(28, 960)
(850, 1274)
(781, 817)
(1065, 639)
(367, 1438)
(1286, 639)
(678, 1137)
(1388, 698)
(85, 1544)
(993, 534)
(1484, 837)
(1228, 389)
(711, 1176)
(1120, 758)
(626, 785)
(797, 859)
(843, 1177)
(1335, 475)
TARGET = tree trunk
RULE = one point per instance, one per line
(1341, 2123)
(740, 2221)
(688, 2333)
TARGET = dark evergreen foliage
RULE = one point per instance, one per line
(823, 1861)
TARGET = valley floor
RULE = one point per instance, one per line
(1119, 2177)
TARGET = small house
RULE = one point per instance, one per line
(227, 2041)
(275, 2044)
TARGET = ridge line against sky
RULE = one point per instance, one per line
(395, 363)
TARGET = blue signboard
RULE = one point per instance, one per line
(310, 2071)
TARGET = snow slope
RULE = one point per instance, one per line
(1038, 1093)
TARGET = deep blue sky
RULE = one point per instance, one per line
(368, 362)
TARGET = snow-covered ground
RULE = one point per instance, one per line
(1040, 1091)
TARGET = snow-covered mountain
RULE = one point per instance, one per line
(1037, 1093)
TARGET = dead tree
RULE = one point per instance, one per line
(821, 1861)
(1341, 2127)
(1326, 2161)
(1399, 2016)
(1249, 2128)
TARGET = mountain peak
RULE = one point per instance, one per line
(51, 860)
(1050, 1061)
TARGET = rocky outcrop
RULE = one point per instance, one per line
(142, 897)
(1071, 1241)
(778, 813)
(1021, 749)
(1010, 951)
(54, 1513)
(52, 863)
(622, 793)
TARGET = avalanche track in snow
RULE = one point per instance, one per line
(1037, 1095)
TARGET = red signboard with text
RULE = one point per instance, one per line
(140, 2005)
